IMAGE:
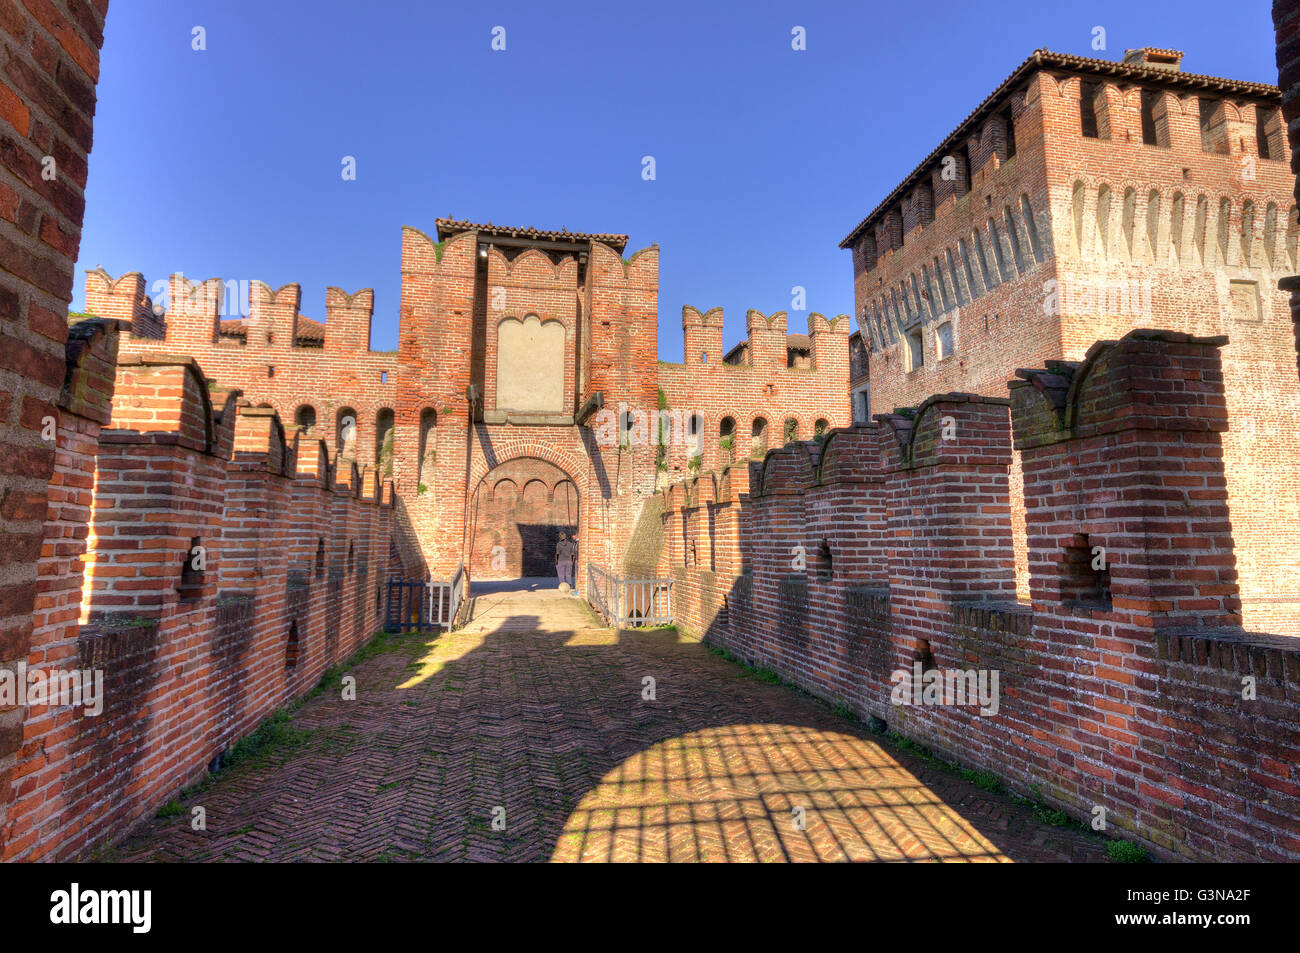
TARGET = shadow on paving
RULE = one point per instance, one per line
(548, 733)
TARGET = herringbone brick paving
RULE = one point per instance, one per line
(545, 730)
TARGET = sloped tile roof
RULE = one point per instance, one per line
(450, 226)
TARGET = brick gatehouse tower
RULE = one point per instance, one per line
(525, 398)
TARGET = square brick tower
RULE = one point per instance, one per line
(511, 340)
(1082, 199)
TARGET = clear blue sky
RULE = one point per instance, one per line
(227, 162)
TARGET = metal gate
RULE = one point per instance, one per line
(416, 604)
(408, 605)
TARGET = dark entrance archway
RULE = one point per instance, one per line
(517, 513)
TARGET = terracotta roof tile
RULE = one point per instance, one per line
(450, 226)
(309, 329)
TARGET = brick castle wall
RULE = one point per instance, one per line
(456, 294)
(208, 568)
(47, 107)
(1124, 687)
(764, 390)
(1087, 238)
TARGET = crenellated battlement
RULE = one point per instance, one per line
(187, 531)
(890, 545)
(702, 335)
(774, 388)
(504, 327)
(195, 316)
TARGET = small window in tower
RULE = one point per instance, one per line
(193, 571)
(1009, 123)
(1154, 128)
(924, 655)
(1214, 127)
(1088, 109)
(1085, 573)
(270, 370)
(915, 349)
(1269, 135)
(383, 377)
(963, 158)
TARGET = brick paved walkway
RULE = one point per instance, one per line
(540, 714)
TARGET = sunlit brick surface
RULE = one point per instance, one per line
(549, 723)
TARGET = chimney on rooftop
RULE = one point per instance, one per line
(1153, 58)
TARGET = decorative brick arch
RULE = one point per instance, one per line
(515, 534)
(574, 466)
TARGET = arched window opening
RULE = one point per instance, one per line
(345, 433)
(428, 442)
(727, 436)
(759, 432)
(384, 441)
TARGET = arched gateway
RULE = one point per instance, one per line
(517, 513)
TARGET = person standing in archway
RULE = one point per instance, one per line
(564, 553)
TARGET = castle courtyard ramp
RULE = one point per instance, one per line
(534, 734)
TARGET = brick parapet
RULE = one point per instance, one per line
(194, 654)
(1128, 696)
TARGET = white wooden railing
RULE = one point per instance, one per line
(630, 602)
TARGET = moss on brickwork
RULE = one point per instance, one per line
(647, 542)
